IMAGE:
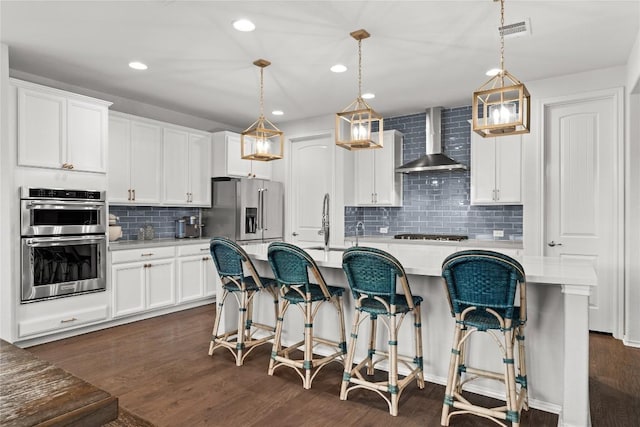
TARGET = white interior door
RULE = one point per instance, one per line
(312, 171)
(581, 194)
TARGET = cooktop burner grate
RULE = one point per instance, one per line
(444, 237)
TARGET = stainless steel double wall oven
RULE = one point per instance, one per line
(63, 242)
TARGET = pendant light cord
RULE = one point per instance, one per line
(502, 36)
(359, 68)
(261, 91)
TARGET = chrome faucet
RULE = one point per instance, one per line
(359, 225)
(324, 231)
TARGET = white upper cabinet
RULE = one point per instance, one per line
(226, 160)
(187, 168)
(61, 130)
(135, 162)
(376, 180)
(496, 170)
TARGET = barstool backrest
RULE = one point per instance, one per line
(484, 279)
(229, 258)
(291, 266)
(373, 272)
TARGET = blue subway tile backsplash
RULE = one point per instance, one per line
(437, 202)
(162, 219)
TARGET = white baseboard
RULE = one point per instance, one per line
(630, 343)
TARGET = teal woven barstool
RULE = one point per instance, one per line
(372, 276)
(291, 266)
(482, 287)
(231, 263)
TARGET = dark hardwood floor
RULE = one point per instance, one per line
(159, 369)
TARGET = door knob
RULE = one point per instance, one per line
(552, 244)
(294, 234)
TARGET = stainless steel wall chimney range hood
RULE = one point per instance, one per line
(434, 160)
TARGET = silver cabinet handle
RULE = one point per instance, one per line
(147, 254)
(294, 234)
(552, 244)
(73, 319)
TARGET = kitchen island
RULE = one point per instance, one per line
(557, 340)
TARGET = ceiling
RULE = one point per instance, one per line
(420, 53)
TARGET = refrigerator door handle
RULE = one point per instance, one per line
(260, 204)
(264, 214)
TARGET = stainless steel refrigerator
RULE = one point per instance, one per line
(245, 210)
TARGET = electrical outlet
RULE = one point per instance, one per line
(384, 230)
(498, 233)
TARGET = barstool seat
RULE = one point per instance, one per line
(372, 276)
(291, 266)
(231, 263)
(481, 287)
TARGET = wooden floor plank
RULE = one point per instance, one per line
(160, 370)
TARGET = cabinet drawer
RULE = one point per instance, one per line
(142, 254)
(62, 321)
(199, 249)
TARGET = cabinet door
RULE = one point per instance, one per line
(176, 167)
(86, 136)
(160, 283)
(509, 169)
(119, 175)
(128, 287)
(146, 162)
(261, 170)
(41, 129)
(364, 177)
(191, 277)
(483, 169)
(384, 165)
(199, 170)
(236, 166)
(210, 277)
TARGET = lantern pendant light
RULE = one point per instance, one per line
(355, 124)
(501, 106)
(262, 140)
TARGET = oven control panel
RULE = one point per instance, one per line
(57, 193)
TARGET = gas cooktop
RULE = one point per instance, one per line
(443, 237)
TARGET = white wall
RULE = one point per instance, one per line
(7, 249)
(632, 199)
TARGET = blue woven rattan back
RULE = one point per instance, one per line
(228, 257)
(372, 272)
(483, 279)
(290, 264)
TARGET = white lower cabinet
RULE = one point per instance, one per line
(196, 274)
(142, 279)
(62, 314)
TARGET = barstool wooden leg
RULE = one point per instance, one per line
(343, 336)
(242, 322)
(351, 350)
(452, 377)
(522, 370)
(513, 414)
(216, 322)
(393, 362)
(307, 364)
(372, 343)
(417, 327)
(277, 345)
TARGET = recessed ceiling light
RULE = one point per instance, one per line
(244, 25)
(493, 72)
(368, 95)
(338, 68)
(136, 65)
(277, 112)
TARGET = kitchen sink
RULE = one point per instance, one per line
(321, 248)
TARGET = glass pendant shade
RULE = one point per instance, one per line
(501, 107)
(356, 124)
(262, 141)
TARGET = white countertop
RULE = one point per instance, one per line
(427, 261)
(120, 245)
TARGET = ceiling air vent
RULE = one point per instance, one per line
(518, 29)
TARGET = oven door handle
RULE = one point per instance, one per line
(64, 205)
(60, 241)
